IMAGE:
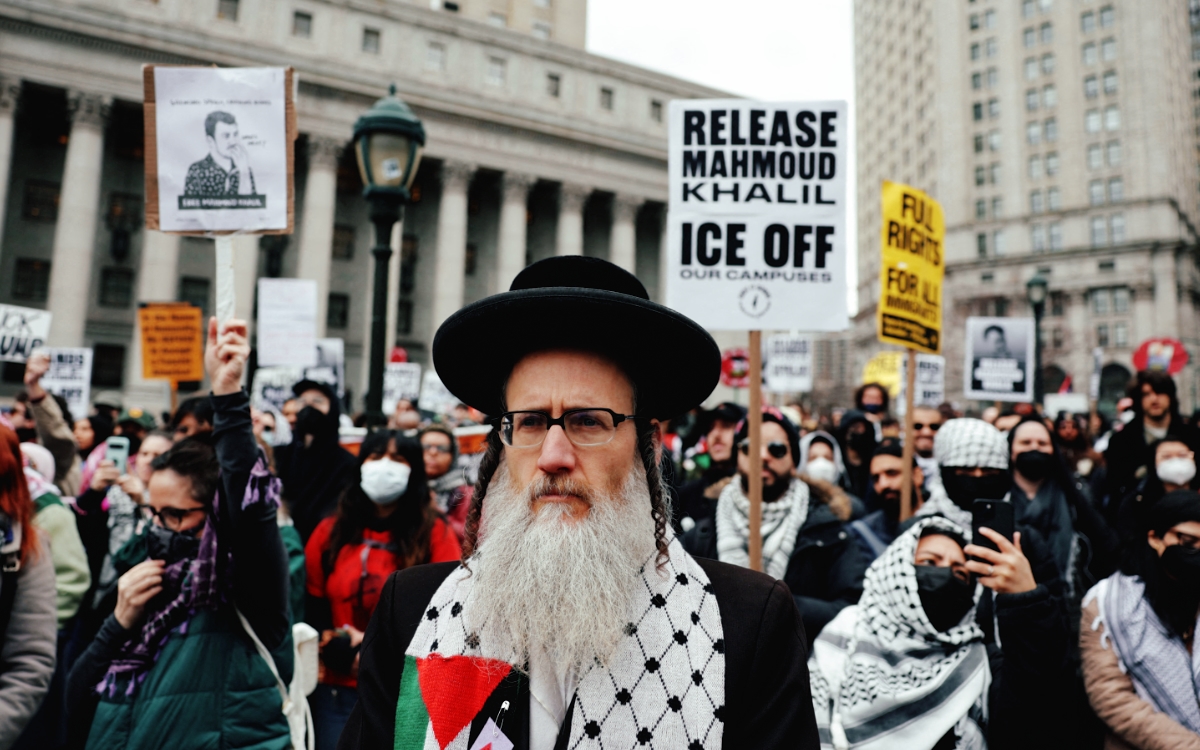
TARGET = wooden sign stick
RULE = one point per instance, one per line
(755, 431)
(906, 478)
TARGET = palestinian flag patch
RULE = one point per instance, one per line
(440, 697)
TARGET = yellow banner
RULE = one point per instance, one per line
(910, 303)
(884, 368)
(172, 342)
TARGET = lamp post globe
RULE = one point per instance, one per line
(388, 142)
(1036, 290)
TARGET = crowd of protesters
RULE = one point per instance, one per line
(150, 602)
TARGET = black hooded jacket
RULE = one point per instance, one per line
(314, 476)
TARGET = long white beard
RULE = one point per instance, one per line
(547, 583)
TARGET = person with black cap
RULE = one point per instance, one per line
(698, 497)
(805, 542)
(858, 445)
(878, 529)
(315, 468)
(576, 618)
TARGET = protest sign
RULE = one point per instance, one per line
(273, 385)
(884, 368)
(910, 300)
(70, 377)
(330, 365)
(756, 235)
(1071, 403)
(1163, 354)
(287, 322)
(172, 342)
(787, 364)
(435, 397)
(930, 387)
(401, 380)
(999, 359)
(219, 149)
(735, 368)
(22, 329)
(1097, 369)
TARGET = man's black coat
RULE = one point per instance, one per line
(768, 703)
(1128, 452)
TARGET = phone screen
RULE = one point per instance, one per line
(117, 451)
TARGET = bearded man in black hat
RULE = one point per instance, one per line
(576, 619)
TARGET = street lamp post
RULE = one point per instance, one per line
(1035, 291)
(388, 141)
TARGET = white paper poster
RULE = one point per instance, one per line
(999, 361)
(222, 148)
(273, 385)
(401, 380)
(287, 322)
(22, 329)
(757, 215)
(930, 382)
(70, 376)
(330, 365)
(435, 397)
(788, 363)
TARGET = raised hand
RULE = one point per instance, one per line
(225, 356)
(36, 366)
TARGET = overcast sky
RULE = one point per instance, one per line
(765, 49)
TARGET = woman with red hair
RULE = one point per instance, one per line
(28, 624)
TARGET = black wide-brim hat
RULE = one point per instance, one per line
(582, 303)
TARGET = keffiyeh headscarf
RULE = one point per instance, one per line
(884, 677)
(970, 442)
(781, 522)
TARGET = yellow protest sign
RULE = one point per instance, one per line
(884, 368)
(910, 305)
(172, 342)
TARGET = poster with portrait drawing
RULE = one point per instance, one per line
(219, 149)
(999, 361)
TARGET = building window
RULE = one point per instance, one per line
(656, 110)
(1095, 157)
(553, 85)
(108, 365)
(1035, 202)
(1089, 53)
(1114, 153)
(404, 317)
(993, 108)
(1027, 8)
(1058, 305)
(1051, 163)
(31, 280)
(337, 313)
(1031, 100)
(981, 244)
(993, 77)
(1051, 127)
(973, 22)
(1031, 68)
(998, 242)
(1091, 87)
(1087, 22)
(194, 291)
(40, 201)
(435, 56)
(1048, 63)
(1056, 337)
(227, 10)
(370, 41)
(975, 51)
(981, 209)
(1049, 96)
(1035, 167)
(1091, 121)
(977, 80)
(1106, 16)
(1037, 236)
(499, 20)
(116, 287)
(1116, 190)
(1100, 301)
(980, 176)
(606, 98)
(994, 140)
(1120, 334)
(997, 207)
(1053, 202)
(1099, 231)
(1110, 82)
(497, 70)
(1102, 334)
(1108, 50)
(1047, 33)
(343, 241)
(1120, 299)
(1107, 265)
(1096, 192)
(1112, 117)
(994, 174)
(542, 30)
(1029, 37)
(542, 3)
(1117, 223)
(302, 24)
(990, 47)
(1033, 133)
(977, 111)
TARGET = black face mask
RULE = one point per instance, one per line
(172, 546)
(862, 443)
(311, 421)
(964, 490)
(27, 434)
(945, 598)
(1183, 564)
(1034, 465)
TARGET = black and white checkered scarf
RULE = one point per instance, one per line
(781, 522)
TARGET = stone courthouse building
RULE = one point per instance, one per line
(535, 148)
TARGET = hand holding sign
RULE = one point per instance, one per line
(226, 355)
(35, 367)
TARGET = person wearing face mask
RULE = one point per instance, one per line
(821, 459)
(1174, 468)
(872, 400)
(384, 523)
(1138, 635)
(859, 439)
(880, 528)
(314, 468)
(204, 587)
(909, 665)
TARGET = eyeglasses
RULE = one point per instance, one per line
(583, 427)
(777, 450)
(445, 449)
(171, 518)
(917, 426)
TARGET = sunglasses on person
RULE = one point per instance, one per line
(443, 449)
(917, 426)
(777, 450)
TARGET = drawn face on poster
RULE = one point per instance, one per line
(999, 359)
(221, 136)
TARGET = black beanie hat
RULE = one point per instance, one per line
(771, 414)
(1173, 509)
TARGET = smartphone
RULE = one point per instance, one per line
(996, 515)
(116, 449)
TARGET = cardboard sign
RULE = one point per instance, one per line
(435, 397)
(70, 377)
(219, 149)
(401, 380)
(910, 302)
(756, 235)
(931, 382)
(788, 363)
(999, 359)
(172, 342)
(22, 329)
(287, 322)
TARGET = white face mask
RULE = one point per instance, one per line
(1177, 470)
(821, 468)
(385, 480)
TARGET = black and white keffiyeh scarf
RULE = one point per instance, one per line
(883, 677)
(1164, 674)
(781, 522)
(665, 687)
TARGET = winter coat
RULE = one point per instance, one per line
(71, 574)
(1128, 454)
(58, 437)
(29, 645)
(698, 498)
(1131, 721)
(827, 566)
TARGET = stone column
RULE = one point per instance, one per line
(1166, 291)
(449, 268)
(10, 92)
(157, 281)
(316, 228)
(569, 239)
(78, 212)
(510, 251)
(663, 258)
(622, 248)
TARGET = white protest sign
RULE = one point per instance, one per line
(999, 359)
(930, 385)
(1097, 369)
(70, 376)
(788, 363)
(435, 397)
(272, 386)
(287, 322)
(222, 149)
(401, 380)
(330, 366)
(1071, 403)
(22, 329)
(756, 235)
